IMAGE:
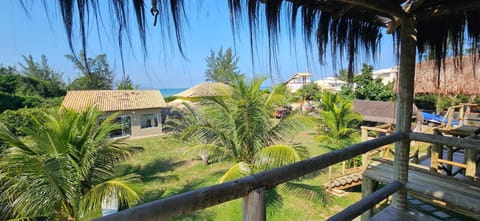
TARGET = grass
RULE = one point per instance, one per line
(166, 171)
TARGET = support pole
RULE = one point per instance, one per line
(471, 157)
(255, 205)
(368, 186)
(406, 78)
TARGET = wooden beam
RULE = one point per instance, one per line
(368, 186)
(368, 202)
(473, 144)
(377, 7)
(408, 41)
(441, 10)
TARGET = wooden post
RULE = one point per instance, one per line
(434, 165)
(364, 134)
(449, 158)
(406, 78)
(254, 206)
(368, 186)
(330, 178)
(470, 160)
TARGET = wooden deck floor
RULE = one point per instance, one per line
(447, 192)
(392, 214)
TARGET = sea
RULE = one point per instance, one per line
(167, 92)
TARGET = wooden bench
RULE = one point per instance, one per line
(448, 192)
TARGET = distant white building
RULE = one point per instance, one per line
(297, 81)
(331, 84)
(387, 75)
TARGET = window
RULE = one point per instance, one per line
(125, 126)
(148, 120)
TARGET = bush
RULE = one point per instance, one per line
(10, 101)
(426, 101)
(18, 121)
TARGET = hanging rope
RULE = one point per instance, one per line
(154, 12)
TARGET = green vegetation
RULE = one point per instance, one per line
(240, 128)
(127, 84)
(368, 88)
(309, 91)
(171, 172)
(95, 73)
(36, 85)
(63, 168)
(222, 67)
(338, 122)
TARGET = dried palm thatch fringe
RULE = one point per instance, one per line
(347, 26)
(463, 78)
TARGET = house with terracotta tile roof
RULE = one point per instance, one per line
(140, 110)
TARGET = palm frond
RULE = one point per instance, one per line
(120, 189)
(306, 191)
(279, 155)
(208, 152)
(237, 171)
(274, 201)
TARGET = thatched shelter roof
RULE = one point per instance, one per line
(378, 111)
(452, 78)
(206, 89)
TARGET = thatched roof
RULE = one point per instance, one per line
(206, 89)
(348, 27)
(378, 111)
(453, 78)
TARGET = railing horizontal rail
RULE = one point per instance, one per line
(366, 203)
(450, 141)
(189, 202)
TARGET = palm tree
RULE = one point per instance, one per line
(337, 123)
(64, 168)
(241, 127)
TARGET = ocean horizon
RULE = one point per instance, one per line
(167, 92)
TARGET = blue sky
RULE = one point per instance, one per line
(207, 28)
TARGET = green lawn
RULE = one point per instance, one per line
(166, 171)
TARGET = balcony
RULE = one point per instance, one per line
(461, 194)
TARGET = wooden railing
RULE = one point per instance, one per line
(471, 148)
(254, 187)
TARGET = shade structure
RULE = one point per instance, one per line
(206, 89)
(457, 76)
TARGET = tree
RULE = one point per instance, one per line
(63, 168)
(342, 75)
(95, 73)
(127, 84)
(51, 79)
(239, 127)
(368, 88)
(310, 91)
(337, 121)
(222, 67)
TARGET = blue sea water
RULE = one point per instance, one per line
(167, 92)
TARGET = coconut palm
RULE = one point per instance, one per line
(337, 124)
(337, 121)
(64, 168)
(242, 125)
